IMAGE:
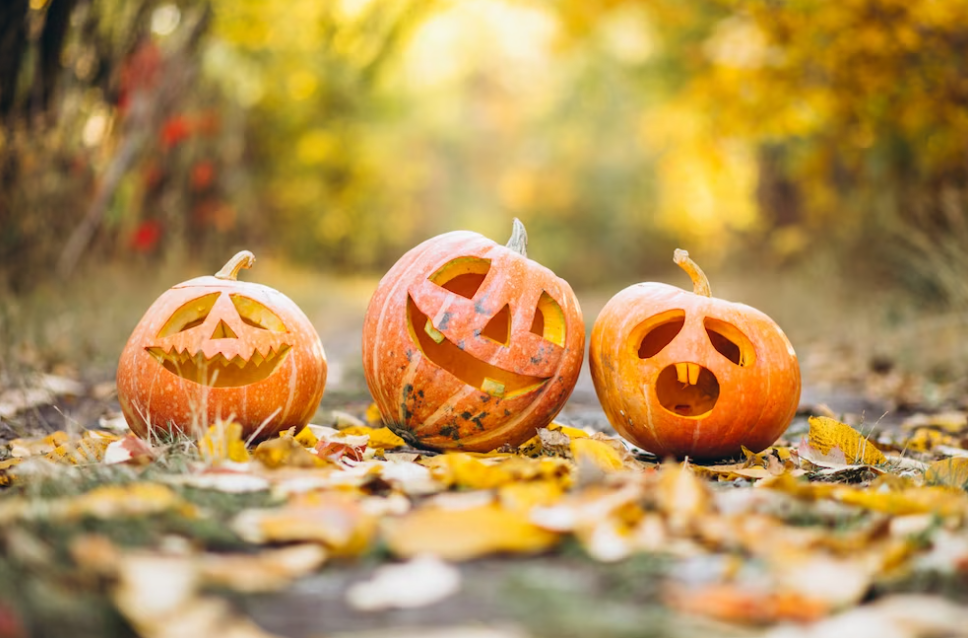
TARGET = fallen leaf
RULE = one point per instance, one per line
(423, 581)
(223, 442)
(379, 438)
(336, 520)
(827, 433)
(129, 449)
(742, 604)
(952, 472)
(464, 534)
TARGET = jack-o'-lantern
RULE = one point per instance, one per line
(215, 347)
(685, 374)
(469, 344)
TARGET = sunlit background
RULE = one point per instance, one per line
(827, 138)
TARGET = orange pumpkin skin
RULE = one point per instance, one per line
(653, 402)
(454, 352)
(214, 347)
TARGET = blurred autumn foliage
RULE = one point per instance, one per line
(340, 133)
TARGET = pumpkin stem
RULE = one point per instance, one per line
(519, 238)
(242, 259)
(700, 284)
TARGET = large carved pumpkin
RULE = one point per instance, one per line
(215, 347)
(685, 374)
(469, 344)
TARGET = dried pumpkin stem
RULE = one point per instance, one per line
(700, 284)
(242, 259)
(519, 238)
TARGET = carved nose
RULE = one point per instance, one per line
(222, 331)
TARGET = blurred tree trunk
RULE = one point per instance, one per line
(51, 44)
(13, 41)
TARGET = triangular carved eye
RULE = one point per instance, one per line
(463, 275)
(257, 315)
(659, 332)
(730, 342)
(499, 327)
(549, 320)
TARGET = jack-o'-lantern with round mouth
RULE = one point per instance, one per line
(470, 345)
(218, 348)
(685, 374)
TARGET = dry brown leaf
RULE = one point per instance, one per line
(464, 534)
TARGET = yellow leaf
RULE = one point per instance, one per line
(570, 432)
(952, 472)
(827, 433)
(136, 499)
(336, 520)
(942, 501)
(601, 454)
(380, 438)
(306, 438)
(85, 450)
(464, 534)
(522, 496)
(464, 471)
(681, 492)
(223, 442)
(285, 451)
(6, 476)
(373, 415)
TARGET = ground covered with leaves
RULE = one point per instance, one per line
(341, 529)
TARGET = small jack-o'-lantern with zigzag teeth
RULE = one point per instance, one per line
(215, 347)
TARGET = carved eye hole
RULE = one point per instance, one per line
(257, 315)
(499, 327)
(659, 331)
(549, 320)
(463, 275)
(730, 342)
(190, 315)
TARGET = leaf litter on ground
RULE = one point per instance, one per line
(802, 533)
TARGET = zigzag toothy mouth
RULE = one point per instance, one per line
(219, 371)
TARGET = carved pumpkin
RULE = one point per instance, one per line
(215, 347)
(685, 374)
(469, 344)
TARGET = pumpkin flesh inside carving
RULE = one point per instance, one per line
(687, 389)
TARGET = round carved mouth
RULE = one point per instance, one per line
(220, 372)
(687, 389)
(469, 369)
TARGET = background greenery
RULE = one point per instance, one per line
(340, 133)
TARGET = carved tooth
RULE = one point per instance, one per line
(492, 387)
(239, 362)
(693, 373)
(435, 334)
(257, 358)
(682, 372)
